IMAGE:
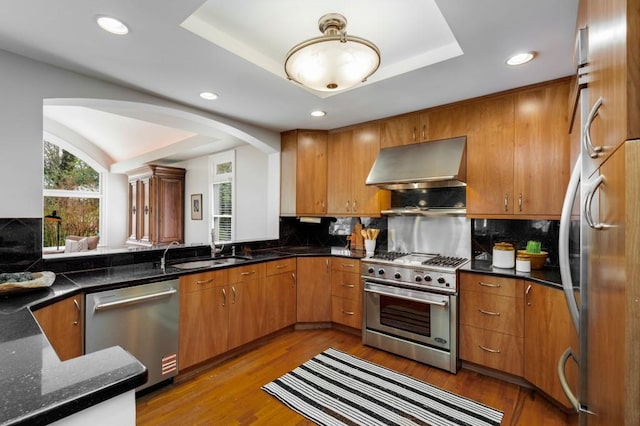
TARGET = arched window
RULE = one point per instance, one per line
(72, 196)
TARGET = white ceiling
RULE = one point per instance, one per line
(433, 52)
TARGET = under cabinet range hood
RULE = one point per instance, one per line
(434, 164)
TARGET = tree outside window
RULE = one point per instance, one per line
(72, 190)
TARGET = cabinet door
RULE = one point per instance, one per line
(548, 332)
(246, 312)
(401, 130)
(204, 323)
(341, 160)
(61, 322)
(313, 297)
(311, 173)
(366, 200)
(145, 223)
(170, 209)
(490, 157)
(447, 122)
(541, 163)
(134, 210)
(280, 301)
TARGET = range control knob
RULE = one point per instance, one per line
(380, 271)
(371, 270)
(441, 280)
(418, 278)
(397, 275)
(427, 278)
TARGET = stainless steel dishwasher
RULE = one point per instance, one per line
(142, 319)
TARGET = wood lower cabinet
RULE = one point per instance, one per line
(548, 331)
(313, 299)
(346, 292)
(156, 205)
(303, 173)
(246, 304)
(62, 323)
(280, 294)
(204, 317)
(491, 322)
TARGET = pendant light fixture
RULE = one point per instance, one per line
(334, 61)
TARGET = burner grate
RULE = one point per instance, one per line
(445, 261)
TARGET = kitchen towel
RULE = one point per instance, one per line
(335, 388)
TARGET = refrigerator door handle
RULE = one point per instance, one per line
(563, 243)
(562, 363)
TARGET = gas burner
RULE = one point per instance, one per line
(388, 255)
(446, 261)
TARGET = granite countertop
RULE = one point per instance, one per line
(38, 388)
(547, 276)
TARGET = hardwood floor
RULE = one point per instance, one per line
(230, 394)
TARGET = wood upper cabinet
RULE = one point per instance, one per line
(614, 74)
(303, 173)
(542, 150)
(351, 154)
(518, 153)
(404, 129)
(204, 317)
(490, 157)
(156, 205)
(548, 331)
(313, 298)
(62, 323)
(447, 122)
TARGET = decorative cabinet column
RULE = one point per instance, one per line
(156, 205)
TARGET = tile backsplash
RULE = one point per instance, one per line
(20, 244)
(487, 232)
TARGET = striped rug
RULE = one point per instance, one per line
(334, 388)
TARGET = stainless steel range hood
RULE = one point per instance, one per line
(423, 165)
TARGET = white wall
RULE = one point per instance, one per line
(257, 188)
(24, 85)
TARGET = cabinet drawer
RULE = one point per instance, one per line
(280, 266)
(491, 312)
(245, 273)
(490, 349)
(346, 284)
(345, 264)
(198, 282)
(346, 312)
(491, 284)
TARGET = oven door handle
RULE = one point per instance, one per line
(442, 303)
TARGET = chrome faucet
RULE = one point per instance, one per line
(164, 255)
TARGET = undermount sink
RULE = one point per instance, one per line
(209, 263)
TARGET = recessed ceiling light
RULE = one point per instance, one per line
(318, 113)
(520, 58)
(113, 25)
(210, 96)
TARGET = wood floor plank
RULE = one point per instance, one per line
(230, 394)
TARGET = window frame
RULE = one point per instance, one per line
(216, 178)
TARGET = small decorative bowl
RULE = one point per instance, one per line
(537, 259)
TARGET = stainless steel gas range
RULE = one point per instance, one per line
(411, 306)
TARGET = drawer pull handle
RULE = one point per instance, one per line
(495, 314)
(200, 282)
(347, 265)
(280, 266)
(348, 285)
(493, 351)
(489, 284)
(247, 273)
(348, 313)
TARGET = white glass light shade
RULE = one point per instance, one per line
(333, 62)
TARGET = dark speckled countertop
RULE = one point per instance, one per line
(38, 388)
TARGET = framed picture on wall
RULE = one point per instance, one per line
(196, 206)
